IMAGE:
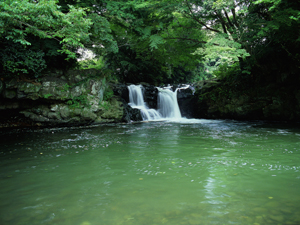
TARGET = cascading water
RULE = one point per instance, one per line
(167, 103)
(136, 100)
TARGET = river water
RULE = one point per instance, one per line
(192, 172)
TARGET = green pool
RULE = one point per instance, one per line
(192, 172)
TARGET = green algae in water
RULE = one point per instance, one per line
(221, 172)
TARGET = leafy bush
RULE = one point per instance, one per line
(96, 63)
(79, 102)
(17, 60)
(225, 71)
(108, 94)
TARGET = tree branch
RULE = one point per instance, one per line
(223, 23)
(200, 22)
(227, 17)
(234, 17)
(35, 28)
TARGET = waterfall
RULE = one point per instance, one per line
(167, 103)
(136, 100)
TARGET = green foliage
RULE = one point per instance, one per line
(223, 48)
(108, 94)
(274, 40)
(44, 20)
(79, 102)
(155, 41)
(105, 105)
(53, 58)
(219, 92)
(36, 35)
(200, 73)
(95, 63)
(66, 88)
(225, 71)
(153, 47)
(18, 60)
(47, 95)
(101, 35)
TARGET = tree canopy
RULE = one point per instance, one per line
(154, 41)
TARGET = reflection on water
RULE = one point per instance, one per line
(187, 172)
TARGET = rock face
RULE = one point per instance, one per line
(271, 102)
(187, 102)
(78, 97)
(150, 95)
(131, 114)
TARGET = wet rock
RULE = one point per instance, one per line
(29, 87)
(272, 204)
(86, 114)
(113, 111)
(11, 105)
(54, 90)
(271, 102)
(130, 114)
(1, 87)
(53, 115)
(35, 117)
(150, 96)
(11, 84)
(76, 91)
(64, 111)
(277, 218)
(260, 210)
(121, 90)
(10, 94)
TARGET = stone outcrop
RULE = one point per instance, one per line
(187, 102)
(272, 102)
(78, 97)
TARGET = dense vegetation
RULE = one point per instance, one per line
(154, 41)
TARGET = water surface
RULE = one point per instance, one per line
(192, 172)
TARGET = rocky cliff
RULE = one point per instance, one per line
(221, 100)
(74, 98)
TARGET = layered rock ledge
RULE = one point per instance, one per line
(74, 98)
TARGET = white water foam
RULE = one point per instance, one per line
(136, 100)
(167, 103)
(168, 108)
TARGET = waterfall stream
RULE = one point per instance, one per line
(167, 103)
(136, 100)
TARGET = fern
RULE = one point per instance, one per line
(155, 40)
